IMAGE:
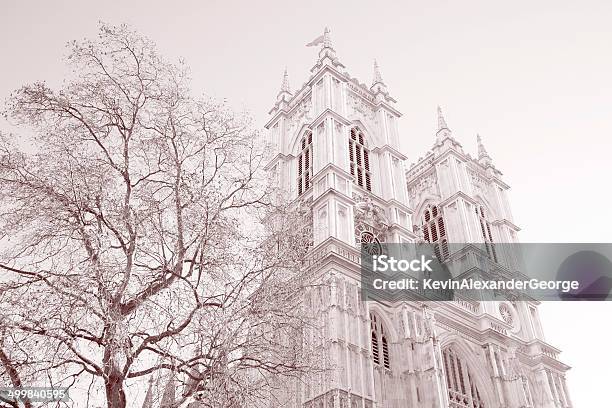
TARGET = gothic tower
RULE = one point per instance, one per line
(336, 153)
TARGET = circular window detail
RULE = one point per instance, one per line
(370, 243)
(506, 313)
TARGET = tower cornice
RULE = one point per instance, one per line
(390, 108)
(332, 251)
(334, 168)
(358, 88)
(345, 199)
(291, 106)
(316, 76)
(390, 149)
(276, 159)
(458, 194)
(327, 113)
(484, 170)
(303, 92)
(507, 223)
(400, 205)
(416, 169)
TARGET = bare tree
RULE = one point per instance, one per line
(133, 239)
(14, 358)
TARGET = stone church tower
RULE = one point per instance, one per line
(336, 153)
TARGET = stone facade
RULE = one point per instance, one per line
(336, 153)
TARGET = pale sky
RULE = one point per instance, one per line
(533, 78)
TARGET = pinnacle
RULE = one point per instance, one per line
(441, 121)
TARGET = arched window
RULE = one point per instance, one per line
(359, 157)
(434, 231)
(462, 389)
(485, 230)
(305, 163)
(379, 342)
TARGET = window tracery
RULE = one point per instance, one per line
(434, 231)
(380, 343)
(462, 389)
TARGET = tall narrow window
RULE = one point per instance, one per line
(462, 390)
(359, 158)
(485, 230)
(434, 231)
(375, 352)
(379, 342)
(305, 163)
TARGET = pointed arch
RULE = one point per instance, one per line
(428, 200)
(373, 139)
(468, 382)
(392, 333)
(381, 337)
(483, 201)
(295, 140)
(429, 219)
(379, 341)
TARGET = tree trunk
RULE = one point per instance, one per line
(115, 395)
(13, 374)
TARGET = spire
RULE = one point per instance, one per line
(482, 152)
(327, 54)
(327, 43)
(444, 133)
(284, 95)
(378, 85)
(324, 40)
(148, 401)
(285, 84)
(377, 77)
(441, 122)
(483, 155)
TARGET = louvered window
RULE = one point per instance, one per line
(359, 158)
(485, 230)
(434, 231)
(305, 163)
